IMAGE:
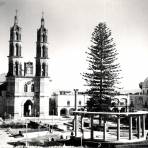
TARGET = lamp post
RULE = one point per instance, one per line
(75, 93)
(75, 121)
(26, 144)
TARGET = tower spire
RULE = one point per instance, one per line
(15, 46)
(15, 18)
(42, 19)
(42, 50)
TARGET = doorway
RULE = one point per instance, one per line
(28, 108)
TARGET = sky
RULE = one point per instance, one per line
(70, 24)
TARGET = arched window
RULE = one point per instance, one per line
(20, 71)
(63, 112)
(80, 103)
(68, 103)
(25, 88)
(11, 68)
(38, 51)
(17, 36)
(16, 68)
(17, 50)
(44, 51)
(46, 70)
(14, 35)
(11, 35)
(11, 49)
(32, 88)
(19, 54)
(43, 69)
(41, 38)
(44, 38)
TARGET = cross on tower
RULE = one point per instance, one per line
(42, 14)
(15, 18)
(42, 20)
(16, 12)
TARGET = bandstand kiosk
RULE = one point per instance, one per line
(140, 130)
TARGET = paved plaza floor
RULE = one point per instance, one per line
(111, 136)
(5, 137)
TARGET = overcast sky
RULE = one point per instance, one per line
(70, 24)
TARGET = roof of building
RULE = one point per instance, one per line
(145, 83)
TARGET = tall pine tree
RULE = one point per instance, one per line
(103, 71)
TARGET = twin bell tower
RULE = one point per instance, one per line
(27, 93)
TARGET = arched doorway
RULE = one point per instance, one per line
(63, 112)
(28, 108)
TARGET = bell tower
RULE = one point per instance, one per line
(15, 45)
(14, 76)
(42, 50)
(42, 81)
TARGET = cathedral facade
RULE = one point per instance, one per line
(24, 93)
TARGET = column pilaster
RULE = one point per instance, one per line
(118, 127)
(139, 125)
(104, 130)
(91, 127)
(130, 127)
(143, 125)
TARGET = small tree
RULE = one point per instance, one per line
(103, 72)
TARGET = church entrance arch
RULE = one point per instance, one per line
(28, 108)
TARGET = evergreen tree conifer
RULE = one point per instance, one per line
(103, 71)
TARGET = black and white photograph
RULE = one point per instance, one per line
(73, 73)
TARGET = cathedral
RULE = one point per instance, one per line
(26, 94)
